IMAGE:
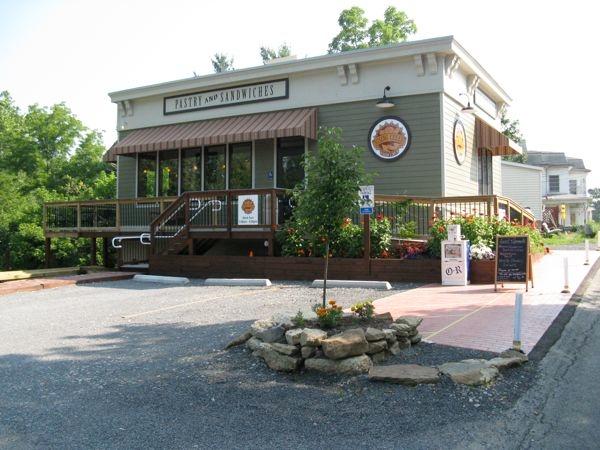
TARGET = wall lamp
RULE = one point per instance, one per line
(467, 109)
(385, 102)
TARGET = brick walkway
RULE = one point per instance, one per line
(477, 317)
(36, 284)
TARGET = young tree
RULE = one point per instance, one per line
(512, 130)
(395, 27)
(330, 195)
(222, 63)
(267, 53)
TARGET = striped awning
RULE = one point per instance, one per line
(293, 122)
(488, 138)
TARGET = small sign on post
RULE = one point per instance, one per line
(367, 199)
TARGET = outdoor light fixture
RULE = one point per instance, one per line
(467, 109)
(385, 102)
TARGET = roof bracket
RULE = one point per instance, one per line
(452, 63)
(353, 71)
(341, 71)
(432, 63)
(472, 83)
(419, 65)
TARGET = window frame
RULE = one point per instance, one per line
(552, 178)
(231, 148)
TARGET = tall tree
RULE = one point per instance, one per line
(354, 34)
(267, 53)
(333, 177)
(222, 63)
(511, 128)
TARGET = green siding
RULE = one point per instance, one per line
(126, 179)
(263, 163)
(418, 171)
(459, 179)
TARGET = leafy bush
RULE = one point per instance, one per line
(363, 310)
(329, 316)
(411, 249)
(299, 320)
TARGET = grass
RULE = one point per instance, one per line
(567, 238)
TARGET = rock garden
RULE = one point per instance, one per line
(332, 341)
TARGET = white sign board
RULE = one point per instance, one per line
(366, 195)
(249, 93)
(247, 209)
(455, 263)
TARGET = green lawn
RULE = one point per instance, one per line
(567, 238)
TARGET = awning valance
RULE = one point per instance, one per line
(488, 138)
(294, 122)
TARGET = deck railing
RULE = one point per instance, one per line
(136, 215)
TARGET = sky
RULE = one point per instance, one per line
(543, 53)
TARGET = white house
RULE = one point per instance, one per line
(564, 187)
(523, 184)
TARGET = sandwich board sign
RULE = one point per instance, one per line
(513, 261)
(247, 209)
(367, 199)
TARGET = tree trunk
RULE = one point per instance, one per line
(325, 274)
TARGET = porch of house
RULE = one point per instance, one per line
(201, 234)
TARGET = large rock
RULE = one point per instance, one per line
(255, 344)
(239, 340)
(373, 334)
(379, 357)
(312, 337)
(390, 336)
(267, 330)
(285, 349)
(308, 352)
(404, 342)
(415, 339)
(293, 336)
(472, 372)
(377, 346)
(348, 343)
(512, 353)
(276, 360)
(410, 374)
(412, 321)
(402, 329)
(394, 349)
(505, 363)
(349, 366)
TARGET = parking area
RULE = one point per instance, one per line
(134, 365)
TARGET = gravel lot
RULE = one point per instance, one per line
(138, 365)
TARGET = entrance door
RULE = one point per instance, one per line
(485, 173)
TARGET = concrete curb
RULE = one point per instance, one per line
(265, 282)
(160, 279)
(364, 284)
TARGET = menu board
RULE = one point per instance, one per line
(512, 259)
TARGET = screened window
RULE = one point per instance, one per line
(214, 168)
(191, 170)
(486, 185)
(146, 175)
(572, 186)
(169, 173)
(240, 166)
(554, 183)
(290, 155)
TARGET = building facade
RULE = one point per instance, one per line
(523, 183)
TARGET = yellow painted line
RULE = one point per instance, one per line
(181, 305)
(464, 317)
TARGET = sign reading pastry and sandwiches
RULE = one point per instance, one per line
(389, 138)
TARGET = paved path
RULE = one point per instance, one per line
(477, 317)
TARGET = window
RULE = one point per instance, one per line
(486, 185)
(572, 186)
(290, 155)
(214, 168)
(553, 183)
(240, 166)
(191, 170)
(168, 168)
(146, 175)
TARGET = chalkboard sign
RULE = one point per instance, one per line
(512, 259)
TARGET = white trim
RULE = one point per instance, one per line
(274, 162)
(524, 166)
(117, 187)
(137, 171)
(253, 162)
(179, 171)
(443, 143)
(227, 166)
(157, 176)
(202, 168)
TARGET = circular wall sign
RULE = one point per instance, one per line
(248, 206)
(459, 138)
(389, 138)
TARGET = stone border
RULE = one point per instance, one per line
(160, 279)
(357, 284)
(265, 282)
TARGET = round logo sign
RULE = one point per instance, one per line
(389, 138)
(460, 142)
(248, 206)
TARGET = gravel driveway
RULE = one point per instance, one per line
(138, 365)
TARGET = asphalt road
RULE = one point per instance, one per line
(131, 365)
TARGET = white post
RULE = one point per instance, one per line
(517, 325)
(598, 241)
(587, 253)
(566, 272)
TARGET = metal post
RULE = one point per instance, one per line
(93, 251)
(566, 289)
(587, 253)
(367, 236)
(517, 324)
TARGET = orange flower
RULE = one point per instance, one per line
(331, 302)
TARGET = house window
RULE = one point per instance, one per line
(486, 184)
(146, 175)
(191, 170)
(168, 168)
(240, 166)
(290, 155)
(572, 186)
(214, 168)
(554, 183)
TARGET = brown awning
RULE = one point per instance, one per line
(294, 122)
(488, 138)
